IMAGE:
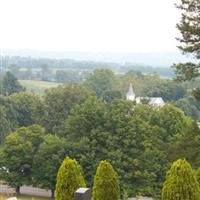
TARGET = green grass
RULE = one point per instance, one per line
(26, 197)
(38, 87)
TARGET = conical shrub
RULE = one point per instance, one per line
(69, 179)
(181, 183)
(197, 174)
(106, 183)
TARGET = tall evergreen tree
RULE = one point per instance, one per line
(69, 179)
(189, 27)
(106, 183)
(181, 184)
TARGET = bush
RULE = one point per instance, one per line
(69, 179)
(106, 183)
(180, 183)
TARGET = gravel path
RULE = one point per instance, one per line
(27, 190)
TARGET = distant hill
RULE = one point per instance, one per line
(160, 59)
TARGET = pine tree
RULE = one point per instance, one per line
(189, 28)
(69, 179)
(180, 184)
(106, 183)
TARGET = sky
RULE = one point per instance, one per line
(89, 25)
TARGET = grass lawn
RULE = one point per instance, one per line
(38, 87)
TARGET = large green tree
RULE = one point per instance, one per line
(106, 183)
(180, 183)
(30, 108)
(17, 156)
(8, 117)
(123, 133)
(10, 84)
(100, 81)
(84, 129)
(58, 103)
(47, 160)
(69, 179)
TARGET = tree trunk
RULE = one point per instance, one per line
(52, 193)
(17, 189)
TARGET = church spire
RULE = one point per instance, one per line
(130, 95)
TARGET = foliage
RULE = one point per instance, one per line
(190, 106)
(187, 146)
(135, 138)
(18, 151)
(190, 38)
(9, 117)
(175, 123)
(106, 183)
(69, 179)
(189, 27)
(17, 155)
(197, 174)
(180, 183)
(166, 90)
(110, 95)
(29, 107)
(47, 160)
(10, 84)
(58, 103)
(84, 129)
(100, 80)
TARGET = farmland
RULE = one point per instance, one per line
(38, 87)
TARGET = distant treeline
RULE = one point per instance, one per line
(68, 70)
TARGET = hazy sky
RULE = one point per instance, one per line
(89, 25)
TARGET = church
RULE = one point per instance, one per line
(153, 101)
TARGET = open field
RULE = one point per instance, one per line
(38, 87)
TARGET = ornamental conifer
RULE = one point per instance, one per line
(69, 179)
(180, 184)
(106, 183)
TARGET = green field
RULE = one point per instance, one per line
(38, 87)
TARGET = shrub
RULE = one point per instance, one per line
(106, 183)
(180, 183)
(69, 179)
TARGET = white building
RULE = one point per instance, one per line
(153, 101)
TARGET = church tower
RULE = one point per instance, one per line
(130, 95)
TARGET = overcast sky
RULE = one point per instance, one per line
(89, 25)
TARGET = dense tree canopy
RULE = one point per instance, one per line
(10, 84)
(47, 160)
(138, 140)
(58, 103)
(135, 138)
(29, 107)
(100, 80)
(9, 117)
